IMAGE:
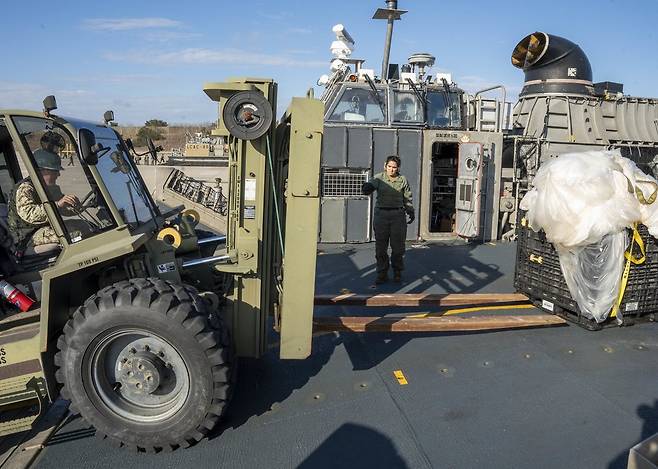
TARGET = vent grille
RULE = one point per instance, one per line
(343, 183)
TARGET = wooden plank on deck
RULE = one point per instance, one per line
(418, 299)
(433, 324)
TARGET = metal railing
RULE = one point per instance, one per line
(198, 192)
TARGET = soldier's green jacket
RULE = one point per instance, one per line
(392, 192)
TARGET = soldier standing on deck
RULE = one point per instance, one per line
(393, 202)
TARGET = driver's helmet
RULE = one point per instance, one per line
(48, 160)
(52, 142)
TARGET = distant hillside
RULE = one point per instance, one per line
(174, 136)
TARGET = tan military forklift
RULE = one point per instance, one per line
(137, 320)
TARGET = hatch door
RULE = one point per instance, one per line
(467, 198)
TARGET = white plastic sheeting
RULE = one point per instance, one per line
(593, 273)
(584, 202)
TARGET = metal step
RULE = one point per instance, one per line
(18, 425)
(21, 408)
(18, 319)
(13, 391)
(23, 393)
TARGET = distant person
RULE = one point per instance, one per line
(394, 200)
(354, 114)
(402, 112)
(27, 217)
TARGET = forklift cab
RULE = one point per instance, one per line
(107, 193)
(22, 254)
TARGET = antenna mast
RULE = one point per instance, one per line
(390, 14)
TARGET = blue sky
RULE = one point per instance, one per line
(147, 59)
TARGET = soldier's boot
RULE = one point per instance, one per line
(382, 277)
(397, 276)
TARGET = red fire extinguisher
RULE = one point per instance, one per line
(15, 296)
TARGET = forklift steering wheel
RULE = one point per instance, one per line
(87, 198)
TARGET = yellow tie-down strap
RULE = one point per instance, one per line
(629, 259)
(639, 194)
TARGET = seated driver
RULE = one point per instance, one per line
(27, 217)
(403, 113)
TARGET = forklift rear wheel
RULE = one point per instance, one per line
(147, 364)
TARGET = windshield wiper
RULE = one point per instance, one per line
(446, 93)
(418, 94)
(375, 93)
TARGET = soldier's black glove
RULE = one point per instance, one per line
(411, 217)
(367, 188)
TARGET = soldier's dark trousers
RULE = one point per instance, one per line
(390, 227)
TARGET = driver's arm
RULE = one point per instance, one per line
(28, 205)
(68, 204)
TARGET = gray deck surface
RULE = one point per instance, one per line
(559, 397)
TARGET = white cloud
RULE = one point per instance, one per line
(174, 109)
(124, 24)
(473, 82)
(23, 95)
(282, 15)
(210, 56)
(90, 104)
(302, 52)
(170, 36)
(299, 31)
(29, 96)
(116, 79)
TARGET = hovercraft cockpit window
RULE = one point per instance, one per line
(443, 109)
(361, 105)
(407, 108)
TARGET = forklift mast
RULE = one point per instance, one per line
(272, 221)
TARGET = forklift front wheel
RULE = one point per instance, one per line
(143, 363)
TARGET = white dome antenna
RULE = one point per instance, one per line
(421, 61)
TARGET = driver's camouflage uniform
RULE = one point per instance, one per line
(27, 217)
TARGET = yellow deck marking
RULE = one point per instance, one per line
(400, 377)
(471, 310)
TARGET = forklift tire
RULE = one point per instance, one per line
(147, 365)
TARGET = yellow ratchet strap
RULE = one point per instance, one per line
(629, 259)
(640, 195)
